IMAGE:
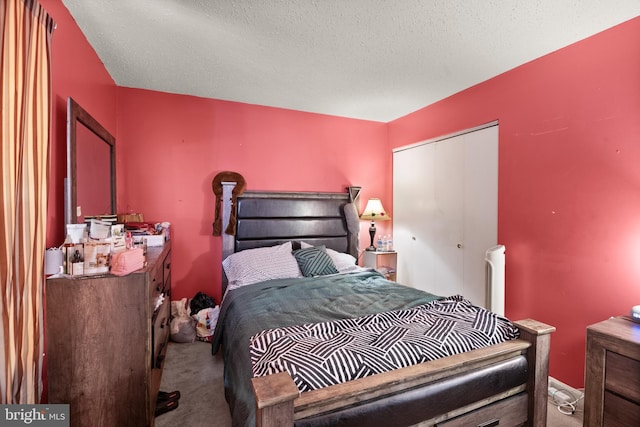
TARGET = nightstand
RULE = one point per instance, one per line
(385, 262)
(612, 377)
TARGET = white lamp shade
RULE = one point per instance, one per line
(374, 211)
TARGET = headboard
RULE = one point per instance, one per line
(270, 218)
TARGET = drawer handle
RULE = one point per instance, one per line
(490, 423)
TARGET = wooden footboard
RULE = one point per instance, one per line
(279, 403)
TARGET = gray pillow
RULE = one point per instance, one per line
(314, 261)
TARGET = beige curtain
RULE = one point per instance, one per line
(26, 102)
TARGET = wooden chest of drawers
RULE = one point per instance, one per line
(106, 343)
(612, 379)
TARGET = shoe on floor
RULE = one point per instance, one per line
(163, 407)
(168, 395)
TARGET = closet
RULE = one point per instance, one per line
(445, 211)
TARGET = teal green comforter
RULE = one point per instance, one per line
(286, 302)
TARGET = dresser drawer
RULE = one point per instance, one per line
(623, 376)
(158, 281)
(160, 333)
(156, 284)
(166, 268)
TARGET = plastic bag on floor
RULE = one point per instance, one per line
(206, 322)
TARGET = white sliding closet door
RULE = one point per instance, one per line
(445, 212)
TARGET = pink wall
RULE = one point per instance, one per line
(569, 182)
(170, 147)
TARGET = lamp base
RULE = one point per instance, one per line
(372, 234)
(635, 313)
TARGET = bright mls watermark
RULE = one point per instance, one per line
(34, 415)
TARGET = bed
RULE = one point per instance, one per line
(501, 383)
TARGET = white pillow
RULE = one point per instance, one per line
(344, 263)
(260, 264)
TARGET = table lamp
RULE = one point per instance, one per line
(373, 211)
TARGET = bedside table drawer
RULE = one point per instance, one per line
(623, 376)
(619, 412)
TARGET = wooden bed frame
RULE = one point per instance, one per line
(269, 218)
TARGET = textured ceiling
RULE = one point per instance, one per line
(368, 59)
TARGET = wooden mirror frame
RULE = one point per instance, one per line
(78, 115)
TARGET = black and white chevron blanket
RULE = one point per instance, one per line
(322, 354)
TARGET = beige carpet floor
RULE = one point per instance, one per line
(191, 369)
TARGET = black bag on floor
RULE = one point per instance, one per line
(200, 302)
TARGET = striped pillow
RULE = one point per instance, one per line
(344, 263)
(260, 264)
(314, 261)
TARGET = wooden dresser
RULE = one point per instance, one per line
(612, 378)
(106, 344)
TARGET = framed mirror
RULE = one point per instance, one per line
(90, 188)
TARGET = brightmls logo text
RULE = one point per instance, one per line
(34, 415)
